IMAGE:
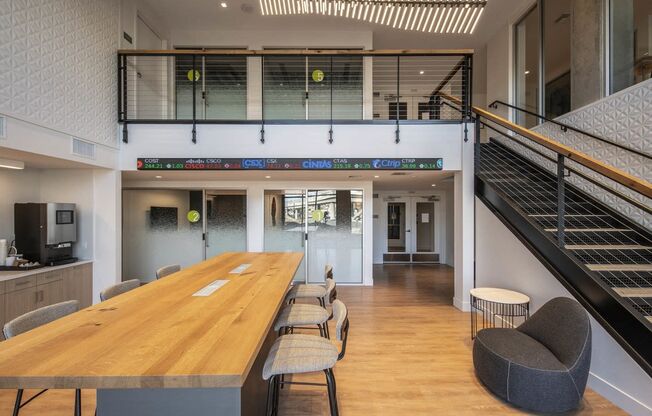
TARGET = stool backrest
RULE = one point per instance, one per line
(328, 272)
(331, 292)
(341, 318)
(120, 288)
(39, 317)
(167, 270)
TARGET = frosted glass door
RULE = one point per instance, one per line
(335, 234)
(226, 222)
(285, 224)
(156, 231)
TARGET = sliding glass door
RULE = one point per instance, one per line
(324, 224)
(312, 87)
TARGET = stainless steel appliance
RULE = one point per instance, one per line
(45, 232)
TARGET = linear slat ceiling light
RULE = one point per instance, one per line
(434, 16)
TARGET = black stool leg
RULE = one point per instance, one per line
(270, 396)
(277, 392)
(78, 402)
(332, 394)
(19, 398)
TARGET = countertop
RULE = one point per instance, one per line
(160, 335)
(15, 274)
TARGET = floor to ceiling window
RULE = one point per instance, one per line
(527, 46)
(631, 43)
(557, 57)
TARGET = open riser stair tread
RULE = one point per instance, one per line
(614, 250)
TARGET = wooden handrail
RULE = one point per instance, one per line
(311, 52)
(639, 185)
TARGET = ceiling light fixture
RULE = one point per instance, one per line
(376, 176)
(267, 177)
(12, 164)
(448, 16)
(224, 5)
(422, 72)
(434, 184)
(158, 177)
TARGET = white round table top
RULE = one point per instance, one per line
(504, 296)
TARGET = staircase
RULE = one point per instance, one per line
(605, 260)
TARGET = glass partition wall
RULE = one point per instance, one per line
(630, 29)
(179, 226)
(325, 224)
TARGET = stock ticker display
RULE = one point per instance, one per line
(289, 164)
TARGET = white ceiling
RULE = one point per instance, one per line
(203, 15)
(413, 181)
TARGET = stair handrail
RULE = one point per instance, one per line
(627, 180)
(565, 127)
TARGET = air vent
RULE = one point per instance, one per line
(83, 148)
(376, 196)
(400, 174)
(3, 128)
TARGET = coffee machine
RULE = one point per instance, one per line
(46, 232)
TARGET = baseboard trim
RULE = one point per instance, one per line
(464, 306)
(618, 397)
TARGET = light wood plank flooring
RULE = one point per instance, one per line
(409, 353)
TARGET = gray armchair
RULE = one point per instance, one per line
(542, 365)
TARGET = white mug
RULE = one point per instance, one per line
(9, 261)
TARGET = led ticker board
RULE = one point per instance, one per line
(290, 164)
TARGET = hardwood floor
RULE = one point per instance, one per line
(409, 353)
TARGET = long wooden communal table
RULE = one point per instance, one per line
(159, 350)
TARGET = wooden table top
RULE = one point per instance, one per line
(159, 335)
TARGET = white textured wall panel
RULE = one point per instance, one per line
(58, 65)
(625, 118)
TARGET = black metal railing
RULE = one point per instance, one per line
(327, 87)
(566, 127)
(585, 221)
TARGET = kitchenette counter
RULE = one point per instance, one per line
(17, 274)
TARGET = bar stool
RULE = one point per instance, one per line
(310, 291)
(118, 289)
(32, 320)
(297, 315)
(167, 270)
(302, 353)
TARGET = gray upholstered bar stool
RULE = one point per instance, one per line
(118, 289)
(302, 353)
(312, 291)
(32, 320)
(302, 314)
(167, 270)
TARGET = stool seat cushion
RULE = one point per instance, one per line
(306, 291)
(299, 353)
(301, 314)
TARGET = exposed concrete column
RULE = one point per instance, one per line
(587, 52)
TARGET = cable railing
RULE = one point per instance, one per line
(290, 86)
(566, 127)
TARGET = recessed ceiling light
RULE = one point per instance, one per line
(223, 4)
(11, 164)
(267, 177)
(422, 72)
(158, 177)
(433, 184)
(376, 176)
(527, 72)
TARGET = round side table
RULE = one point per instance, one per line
(497, 305)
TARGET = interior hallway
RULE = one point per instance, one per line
(409, 353)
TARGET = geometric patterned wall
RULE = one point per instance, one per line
(58, 65)
(625, 118)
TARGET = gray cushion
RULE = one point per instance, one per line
(299, 353)
(120, 288)
(301, 314)
(532, 366)
(306, 291)
(39, 317)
